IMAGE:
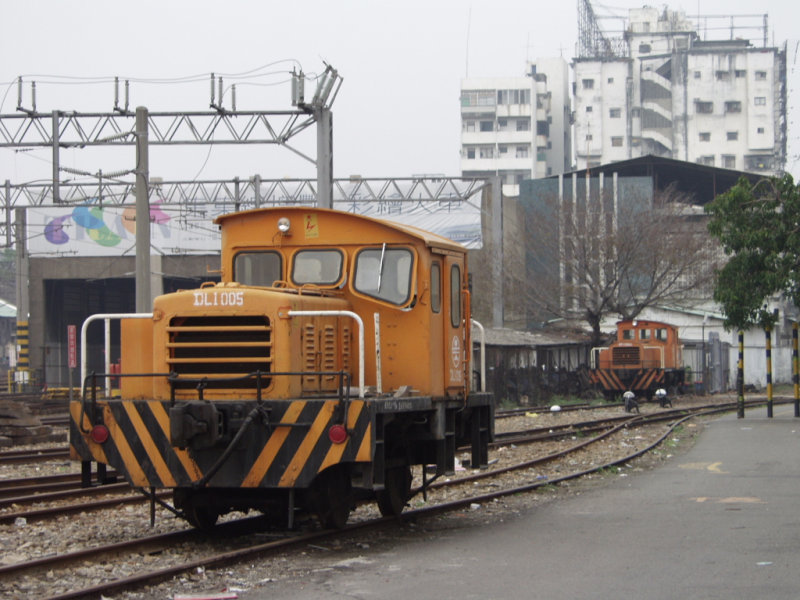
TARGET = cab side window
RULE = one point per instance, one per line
(436, 287)
(455, 296)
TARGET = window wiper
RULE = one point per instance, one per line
(380, 266)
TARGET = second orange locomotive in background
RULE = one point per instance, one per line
(333, 355)
(644, 356)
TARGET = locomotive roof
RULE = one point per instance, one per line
(644, 323)
(430, 239)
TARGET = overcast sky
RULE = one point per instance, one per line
(397, 113)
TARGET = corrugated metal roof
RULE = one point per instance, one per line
(512, 337)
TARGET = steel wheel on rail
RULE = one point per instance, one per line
(397, 489)
(331, 497)
(201, 517)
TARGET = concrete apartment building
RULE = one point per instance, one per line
(517, 127)
(662, 90)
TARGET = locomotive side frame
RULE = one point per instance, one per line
(238, 395)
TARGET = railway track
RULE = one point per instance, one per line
(15, 457)
(211, 556)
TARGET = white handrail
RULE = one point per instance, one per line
(342, 313)
(483, 354)
(107, 341)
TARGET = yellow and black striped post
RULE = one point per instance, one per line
(740, 378)
(795, 371)
(768, 349)
(23, 360)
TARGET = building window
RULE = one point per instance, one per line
(470, 152)
(733, 106)
(697, 75)
(589, 137)
(588, 109)
(644, 48)
(705, 136)
(610, 80)
(756, 162)
(761, 75)
(703, 107)
(705, 160)
(542, 128)
(723, 75)
(740, 73)
(487, 126)
(728, 161)
(487, 152)
(733, 136)
(522, 152)
(588, 84)
(636, 112)
(615, 113)
(760, 100)
(616, 141)
(469, 126)
(503, 150)
(760, 130)
(478, 98)
(523, 125)
(502, 124)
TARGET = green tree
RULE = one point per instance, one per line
(758, 226)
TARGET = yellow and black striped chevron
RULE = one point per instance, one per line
(621, 380)
(285, 447)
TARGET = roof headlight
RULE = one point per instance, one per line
(284, 225)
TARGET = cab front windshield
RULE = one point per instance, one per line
(385, 273)
(320, 267)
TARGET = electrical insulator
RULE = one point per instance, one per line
(298, 89)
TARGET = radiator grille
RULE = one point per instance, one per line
(220, 347)
(626, 355)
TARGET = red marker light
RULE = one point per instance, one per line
(99, 434)
(337, 434)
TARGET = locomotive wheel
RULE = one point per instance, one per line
(202, 517)
(397, 488)
(332, 498)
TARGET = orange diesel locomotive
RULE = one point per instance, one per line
(333, 355)
(645, 356)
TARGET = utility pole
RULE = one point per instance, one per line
(144, 301)
(21, 372)
(324, 157)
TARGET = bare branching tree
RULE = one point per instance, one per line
(591, 261)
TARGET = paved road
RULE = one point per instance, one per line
(719, 522)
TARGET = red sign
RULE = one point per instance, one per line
(72, 346)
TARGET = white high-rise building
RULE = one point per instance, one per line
(517, 127)
(661, 90)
